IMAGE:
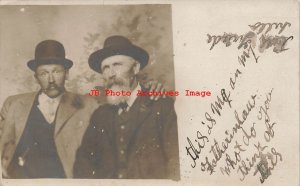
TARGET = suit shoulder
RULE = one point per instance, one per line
(165, 106)
(81, 101)
(21, 96)
(102, 112)
(165, 102)
(88, 99)
(168, 100)
(18, 97)
(103, 108)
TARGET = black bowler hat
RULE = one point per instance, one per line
(117, 45)
(49, 52)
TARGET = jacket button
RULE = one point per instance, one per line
(120, 176)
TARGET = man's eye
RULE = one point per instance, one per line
(57, 71)
(104, 68)
(117, 64)
(43, 74)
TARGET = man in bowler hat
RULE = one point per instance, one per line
(41, 131)
(130, 137)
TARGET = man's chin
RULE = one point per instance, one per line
(115, 100)
(53, 93)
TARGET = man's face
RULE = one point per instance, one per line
(51, 78)
(119, 74)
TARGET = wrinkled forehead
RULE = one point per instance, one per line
(118, 59)
(49, 67)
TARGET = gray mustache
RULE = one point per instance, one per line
(115, 82)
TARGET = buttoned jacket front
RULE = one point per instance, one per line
(142, 144)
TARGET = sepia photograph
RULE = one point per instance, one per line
(149, 92)
(54, 127)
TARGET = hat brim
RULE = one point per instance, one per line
(33, 64)
(139, 54)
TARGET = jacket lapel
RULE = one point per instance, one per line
(138, 111)
(69, 104)
(24, 107)
(142, 109)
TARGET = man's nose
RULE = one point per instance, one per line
(111, 73)
(51, 78)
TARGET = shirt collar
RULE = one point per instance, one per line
(43, 98)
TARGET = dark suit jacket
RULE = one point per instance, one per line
(152, 148)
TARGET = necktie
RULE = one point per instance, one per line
(123, 106)
(51, 110)
(48, 107)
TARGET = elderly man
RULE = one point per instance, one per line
(42, 130)
(131, 137)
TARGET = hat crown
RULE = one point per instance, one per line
(49, 49)
(49, 52)
(116, 41)
(117, 45)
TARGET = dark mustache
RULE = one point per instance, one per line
(52, 85)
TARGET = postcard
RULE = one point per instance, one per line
(149, 92)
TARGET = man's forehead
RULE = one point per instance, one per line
(117, 58)
(49, 67)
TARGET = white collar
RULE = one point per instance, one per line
(43, 98)
(48, 106)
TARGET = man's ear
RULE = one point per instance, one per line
(136, 68)
(35, 77)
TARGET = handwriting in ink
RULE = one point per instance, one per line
(262, 27)
(193, 151)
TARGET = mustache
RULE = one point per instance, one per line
(51, 86)
(115, 81)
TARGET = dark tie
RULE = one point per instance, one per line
(123, 106)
